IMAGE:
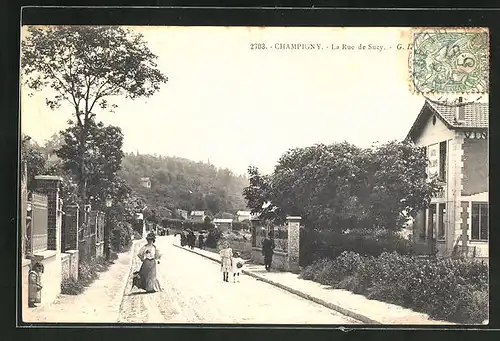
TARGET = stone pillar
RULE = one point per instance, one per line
(50, 185)
(293, 242)
(71, 227)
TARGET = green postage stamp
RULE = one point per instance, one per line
(450, 61)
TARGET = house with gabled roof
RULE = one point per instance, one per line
(243, 215)
(223, 224)
(198, 216)
(456, 141)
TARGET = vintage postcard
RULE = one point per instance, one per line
(254, 175)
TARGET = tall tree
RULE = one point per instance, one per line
(102, 159)
(399, 186)
(341, 186)
(85, 66)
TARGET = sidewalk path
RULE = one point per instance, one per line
(350, 304)
(99, 303)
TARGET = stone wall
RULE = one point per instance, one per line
(69, 264)
(280, 259)
(65, 265)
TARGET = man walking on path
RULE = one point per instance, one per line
(267, 251)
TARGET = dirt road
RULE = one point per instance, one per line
(195, 293)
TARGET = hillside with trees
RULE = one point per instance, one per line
(181, 183)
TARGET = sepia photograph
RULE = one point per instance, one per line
(254, 175)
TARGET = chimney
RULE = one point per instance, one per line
(460, 116)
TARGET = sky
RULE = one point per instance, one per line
(236, 106)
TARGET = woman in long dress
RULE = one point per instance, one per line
(226, 257)
(149, 255)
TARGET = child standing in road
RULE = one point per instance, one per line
(238, 263)
(226, 257)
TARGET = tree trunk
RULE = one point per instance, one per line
(82, 181)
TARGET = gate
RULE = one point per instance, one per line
(84, 238)
(92, 233)
(37, 230)
(306, 247)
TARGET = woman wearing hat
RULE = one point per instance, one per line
(149, 255)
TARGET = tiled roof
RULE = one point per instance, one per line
(476, 114)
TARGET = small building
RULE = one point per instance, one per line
(182, 213)
(243, 215)
(456, 142)
(146, 182)
(223, 224)
(198, 216)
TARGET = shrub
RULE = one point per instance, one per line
(113, 256)
(87, 273)
(474, 306)
(136, 235)
(70, 286)
(121, 237)
(330, 244)
(447, 289)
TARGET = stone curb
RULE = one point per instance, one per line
(324, 303)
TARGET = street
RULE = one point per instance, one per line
(195, 293)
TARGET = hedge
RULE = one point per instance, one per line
(455, 290)
(316, 245)
(88, 272)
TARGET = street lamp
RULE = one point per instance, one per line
(107, 244)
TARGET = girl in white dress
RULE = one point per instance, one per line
(238, 263)
(226, 257)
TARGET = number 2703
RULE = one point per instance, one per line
(257, 46)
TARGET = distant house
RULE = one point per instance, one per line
(456, 141)
(146, 182)
(198, 216)
(182, 213)
(225, 215)
(223, 224)
(243, 215)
